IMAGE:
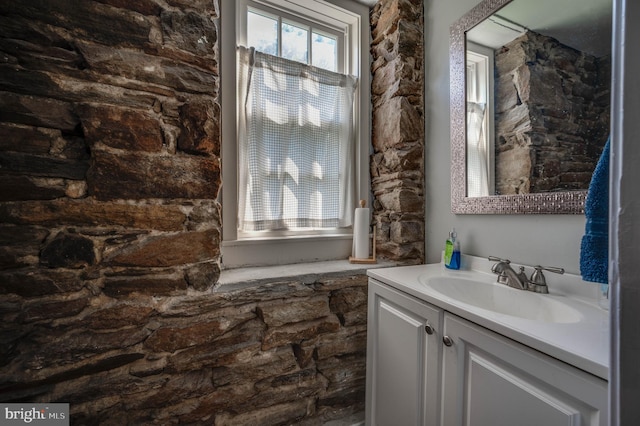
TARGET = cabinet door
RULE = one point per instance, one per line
(403, 359)
(489, 380)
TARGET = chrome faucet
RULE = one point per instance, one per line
(506, 275)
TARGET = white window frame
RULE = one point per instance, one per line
(285, 247)
(480, 65)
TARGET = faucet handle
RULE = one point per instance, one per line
(538, 277)
(553, 269)
(537, 282)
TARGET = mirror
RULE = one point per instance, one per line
(530, 90)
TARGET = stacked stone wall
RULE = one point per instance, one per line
(397, 163)
(552, 115)
(110, 234)
(285, 352)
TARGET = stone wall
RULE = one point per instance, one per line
(552, 115)
(397, 163)
(290, 351)
(110, 234)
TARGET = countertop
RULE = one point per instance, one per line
(583, 344)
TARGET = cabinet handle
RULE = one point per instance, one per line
(448, 341)
(428, 329)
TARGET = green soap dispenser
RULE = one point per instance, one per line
(452, 251)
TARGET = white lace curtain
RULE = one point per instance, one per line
(295, 145)
(477, 158)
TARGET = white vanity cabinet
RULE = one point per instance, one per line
(491, 380)
(426, 366)
(404, 348)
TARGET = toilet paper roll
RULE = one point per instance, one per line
(361, 233)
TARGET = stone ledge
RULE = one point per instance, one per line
(234, 279)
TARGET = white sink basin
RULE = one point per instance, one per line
(504, 300)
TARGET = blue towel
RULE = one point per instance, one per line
(594, 249)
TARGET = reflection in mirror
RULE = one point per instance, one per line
(551, 98)
(480, 120)
(530, 95)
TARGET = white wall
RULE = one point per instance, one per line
(551, 240)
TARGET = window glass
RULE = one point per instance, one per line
(264, 32)
(295, 42)
(325, 51)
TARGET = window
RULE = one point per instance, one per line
(480, 119)
(298, 40)
(295, 156)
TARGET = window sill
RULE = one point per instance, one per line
(285, 251)
(306, 273)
